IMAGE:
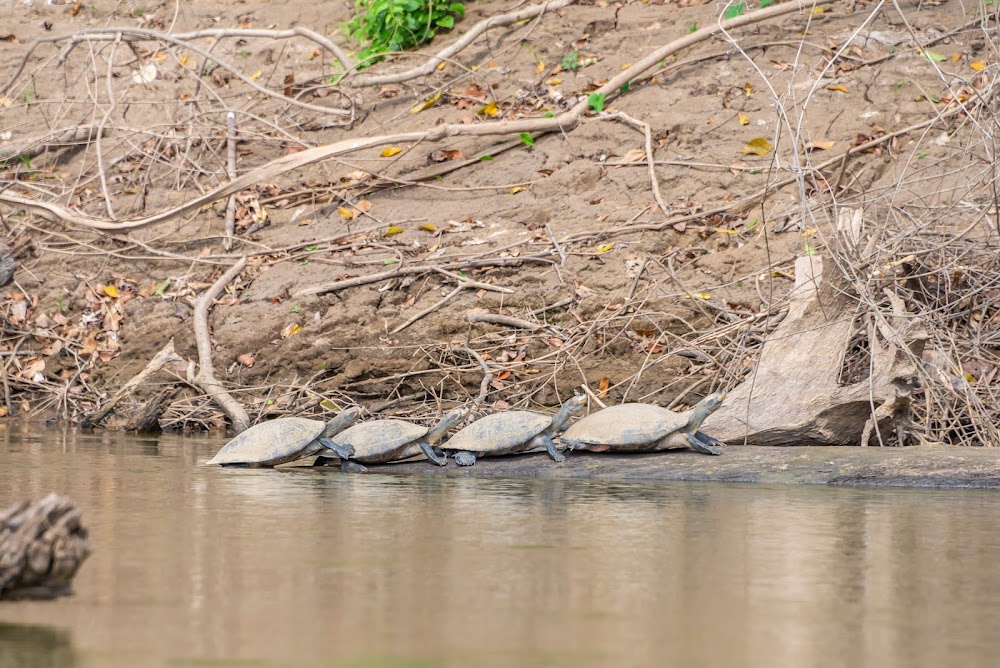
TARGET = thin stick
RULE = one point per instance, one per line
(427, 311)
(505, 320)
(206, 379)
(227, 243)
(650, 162)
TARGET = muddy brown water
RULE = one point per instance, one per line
(197, 566)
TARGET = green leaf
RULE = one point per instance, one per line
(809, 250)
(296, 309)
(549, 114)
(624, 87)
(596, 102)
(570, 61)
(765, 3)
(527, 139)
(934, 56)
(921, 155)
(312, 247)
(446, 22)
(485, 158)
(693, 27)
(161, 287)
(734, 10)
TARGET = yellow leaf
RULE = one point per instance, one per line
(490, 109)
(748, 88)
(329, 405)
(160, 57)
(345, 213)
(809, 232)
(315, 53)
(184, 60)
(955, 57)
(428, 103)
(441, 66)
(605, 248)
(703, 295)
(819, 9)
(553, 82)
(838, 88)
(722, 230)
(742, 119)
(391, 151)
(540, 68)
(517, 189)
(978, 66)
(394, 230)
(256, 75)
(820, 145)
(758, 146)
(291, 329)
(428, 228)
(110, 290)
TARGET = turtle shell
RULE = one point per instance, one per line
(626, 425)
(271, 443)
(380, 440)
(499, 432)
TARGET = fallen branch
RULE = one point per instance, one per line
(650, 162)
(162, 358)
(42, 544)
(463, 284)
(206, 379)
(505, 320)
(227, 243)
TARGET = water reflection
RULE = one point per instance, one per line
(196, 565)
(35, 646)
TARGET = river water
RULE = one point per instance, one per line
(197, 566)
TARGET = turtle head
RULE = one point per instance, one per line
(566, 411)
(447, 421)
(704, 408)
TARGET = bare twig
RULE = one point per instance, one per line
(206, 374)
(231, 172)
(650, 161)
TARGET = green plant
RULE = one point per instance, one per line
(396, 25)
(571, 61)
(596, 102)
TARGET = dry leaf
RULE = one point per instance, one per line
(490, 109)
(977, 66)
(602, 388)
(315, 53)
(247, 360)
(390, 151)
(428, 228)
(742, 119)
(364, 206)
(345, 213)
(291, 329)
(256, 75)
(820, 145)
(517, 189)
(394, 230)
(540, 68)
(605, 248)
(758, 146)
(111, 291)
(635, 155)
(838, 88)
(427, 104)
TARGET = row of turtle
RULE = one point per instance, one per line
(623, 428)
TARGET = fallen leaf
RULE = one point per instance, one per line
(605, 248)
(364, 206)
(247, 360)
(390, 151)
(315, 53)
(820, 145)
(540, 67)
(111, 291)
(602, 388)
(490, 109)
(428, 228)
(635, 155)
(291, 329)
(742, 119)
(427, 104)
(517, 189)
(758, 146)
(933, 56)
(394, 230)
(161, 287)
(977, 66)
(838, 88)
(256, 75)
(145, 75)
(748, 88)
(345, 213)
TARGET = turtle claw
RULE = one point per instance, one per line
(464, 458)
(701, 446)
(550, 448)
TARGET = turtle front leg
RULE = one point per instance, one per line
(705, 438)
(342, 451)
(550, 448)
(697, 444)
(465, 458)
(425, 447)
(347, 466)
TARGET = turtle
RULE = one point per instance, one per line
(638, 427)
(285, 440)
(381, 441)
(511, 432)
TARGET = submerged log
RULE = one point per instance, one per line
(42, 544)
(826, 376)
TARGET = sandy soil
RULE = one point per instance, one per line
(702, 110)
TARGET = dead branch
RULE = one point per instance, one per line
(206, 379)
(463, 284)
(505, 320)
(162, 358)
(32, 147)
(42, 544)
(650, 162)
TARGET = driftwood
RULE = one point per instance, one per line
(42, 544)
(821, 381)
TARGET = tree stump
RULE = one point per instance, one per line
(42, 544)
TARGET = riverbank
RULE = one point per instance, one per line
(918, 466)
